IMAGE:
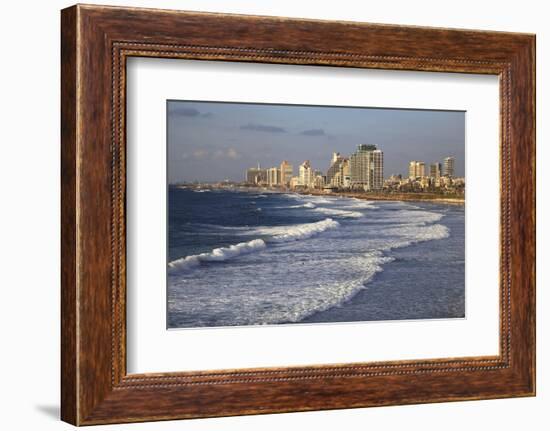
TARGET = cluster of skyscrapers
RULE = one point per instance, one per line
(439, 178)
(363, 170)
(417, 169)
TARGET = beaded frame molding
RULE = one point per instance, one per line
(95, 43)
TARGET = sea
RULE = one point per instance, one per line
(241, 257)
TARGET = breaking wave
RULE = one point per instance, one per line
(279, 234)
(339, 212)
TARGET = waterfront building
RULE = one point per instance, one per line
(286, 172)
(425, 182)
(393, 181)
(367, 168)
(256, 176)
(416, 169)
(435, 170)
(273, 177)
(449, 167)
(306, 174)
(294, 182)
(319, 180)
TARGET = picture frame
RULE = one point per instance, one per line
(96, 42)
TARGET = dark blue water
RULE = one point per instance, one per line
(253, 257)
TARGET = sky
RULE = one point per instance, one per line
(214, 141)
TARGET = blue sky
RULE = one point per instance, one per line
(212, 141)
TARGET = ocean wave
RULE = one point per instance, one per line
(427, 233)
(218, 254)
(302, 300)
(279, 234)
(339, 212)
(408, 217)
(304, 231)
(306, 205)
(360, 204)
(311, 198)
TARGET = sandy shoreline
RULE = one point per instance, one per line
(407, 197)
(393, 197)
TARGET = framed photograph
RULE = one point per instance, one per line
(263, 214)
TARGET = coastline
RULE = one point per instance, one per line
(401, 197)
(398, 197)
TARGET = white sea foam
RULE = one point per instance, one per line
(306, 205)
(311, 198)
(292, 301)
(360, 204)
(339, 212)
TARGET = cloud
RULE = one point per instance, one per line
(313, 132)
(232, 154)
(200, 153)
(263, 128)
(205, 153)
(183, 111)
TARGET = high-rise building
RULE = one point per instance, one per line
(273, 177)
(416, 169)
(286, 172)
(306, 174)
(345, 174)
(367, 168)
(449, 167)
(334, 167)
(435, 170)
(338, 174)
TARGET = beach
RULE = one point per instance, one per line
(252, 257)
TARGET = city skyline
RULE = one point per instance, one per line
(362, 171)
(214, 141)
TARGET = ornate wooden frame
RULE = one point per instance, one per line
(95, 43)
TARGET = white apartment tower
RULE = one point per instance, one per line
(449, 167)
(416, 169)
(367, 168)
(273, 177)
(306, 175)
